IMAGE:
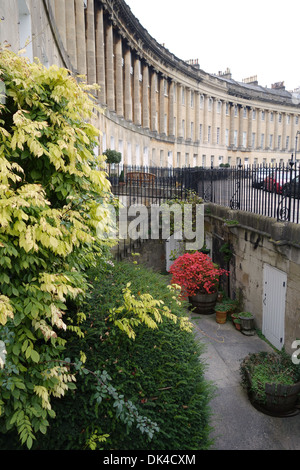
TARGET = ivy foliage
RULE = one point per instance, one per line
(53, 203)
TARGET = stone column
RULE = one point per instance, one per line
(241, 126)
(171, 130)
(179, 111)
(127, 86)
(231, 138)
(90, 42)
(153, 101)
(162, 129)
(223, 123)
(60, 18)
(71, 32)
(100, 56)
(276, 130)
(197, 116)
(110, 73)
(214, 117)
(283, 131)
(293, 132)
(136, 92)
(267, 118)
(80, 37)
(258, 137)
(119, 77)
(249, 138)
(188, 113)
(205, 118)
(145, 107)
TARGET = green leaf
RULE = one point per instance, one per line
(20, 385)
(35, 356)
(29, 442)
(16, 349)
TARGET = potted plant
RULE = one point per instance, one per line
(199, 279)
(272, 382)
(221, 312)
(112, 156)
(121, 178)
(231, 305)
(247, 323)
(236, 321)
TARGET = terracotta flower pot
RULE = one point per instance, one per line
(221, 316)
(236, 321)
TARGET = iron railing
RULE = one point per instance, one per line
(272, 191)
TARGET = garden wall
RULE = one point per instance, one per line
(247, 243)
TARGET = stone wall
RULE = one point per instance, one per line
(254, 241)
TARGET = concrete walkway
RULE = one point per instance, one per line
(237, 425)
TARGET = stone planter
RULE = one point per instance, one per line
(204, 303)
(247, 324)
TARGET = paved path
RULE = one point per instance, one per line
(237, 425)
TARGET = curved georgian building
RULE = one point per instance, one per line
(158, 109)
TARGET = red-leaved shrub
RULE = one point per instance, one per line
(196, 274)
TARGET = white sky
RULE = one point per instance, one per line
(250, 37)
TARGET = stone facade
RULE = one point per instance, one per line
(254, 242)
(158, 109)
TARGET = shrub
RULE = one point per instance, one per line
(112, 156)
(159, 372)
(52, 199)
(196, 273)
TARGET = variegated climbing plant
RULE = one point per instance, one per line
(52, 199)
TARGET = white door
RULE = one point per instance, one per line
(274, 295)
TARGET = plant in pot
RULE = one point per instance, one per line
(236, 321)
(247, 323)
(122, 178)
(231, 305)
(272, 382)
(221, 312)
(112, 156)
(199, 279)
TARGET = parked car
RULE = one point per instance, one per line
(292, 188)
(259, 177)
(276, 181)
